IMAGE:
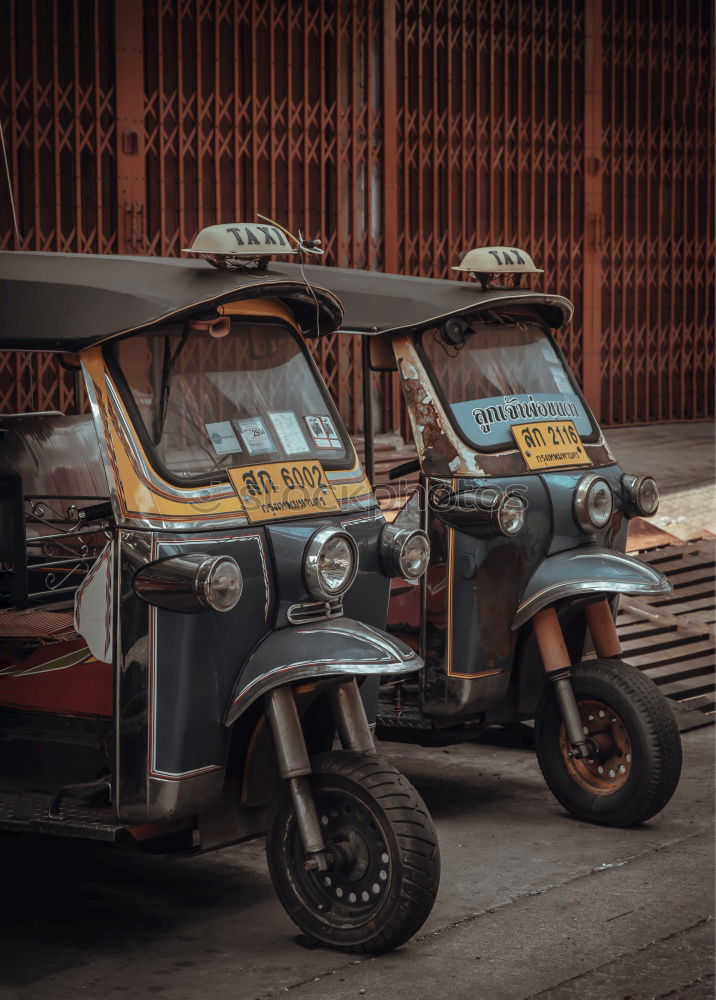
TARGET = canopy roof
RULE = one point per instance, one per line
(375, 303)
(65, 302)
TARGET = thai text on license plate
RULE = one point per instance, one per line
(283, 489)
(550, 444)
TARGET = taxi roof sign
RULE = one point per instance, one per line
(238, 242)
(498, 260)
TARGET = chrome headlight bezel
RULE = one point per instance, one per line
(205, 577)
(518, 504)
(183, 583)
(311, 563)
(581, 502)
(632, 488)
(393, 544)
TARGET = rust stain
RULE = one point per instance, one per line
(435, 448)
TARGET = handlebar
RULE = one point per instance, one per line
(405, 469)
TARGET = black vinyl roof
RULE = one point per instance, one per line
(65, 302)
(375, 303)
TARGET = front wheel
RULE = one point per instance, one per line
(637, 761)
(385, 868)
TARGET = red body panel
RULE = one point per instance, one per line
(60, 677)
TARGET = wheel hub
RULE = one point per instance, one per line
(609, 767)
(360, 874)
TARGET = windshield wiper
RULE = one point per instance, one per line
(167, 367)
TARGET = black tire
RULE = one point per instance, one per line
(639, 718)
(366, 804)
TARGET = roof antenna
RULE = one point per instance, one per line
(302, 246)
(9, 186)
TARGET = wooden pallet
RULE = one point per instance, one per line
(671, 638)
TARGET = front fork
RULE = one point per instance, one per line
(558, 665)
(293, 761)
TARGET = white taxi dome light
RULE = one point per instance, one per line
(498, 260)
(483, 262)
(232, 245)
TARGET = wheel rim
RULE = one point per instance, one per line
(609, 769)
(359, 880)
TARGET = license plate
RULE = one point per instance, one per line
(283, 489)
(550, 444)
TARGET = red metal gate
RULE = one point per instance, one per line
(400, 131)
(657, 352)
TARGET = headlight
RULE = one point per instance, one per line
(641, 495)
(330, 563)
(219, 583)
(481, 510)
(511, 514)
(404, 552)
(190, 583)
(593, 502)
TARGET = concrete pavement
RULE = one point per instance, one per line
(681, 457)
(532, 904)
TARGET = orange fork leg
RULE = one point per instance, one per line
(603, 630)
(558, 666)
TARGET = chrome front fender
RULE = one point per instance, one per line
(339, 647)
(579, 572)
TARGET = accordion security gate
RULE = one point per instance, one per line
(401, 132)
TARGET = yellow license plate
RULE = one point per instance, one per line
(283, 489)
(550, 444)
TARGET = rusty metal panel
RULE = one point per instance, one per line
(657, 359)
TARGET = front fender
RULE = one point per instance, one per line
(579, 572)
(335, 647)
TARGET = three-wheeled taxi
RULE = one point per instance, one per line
(527, 513)
(194, 577)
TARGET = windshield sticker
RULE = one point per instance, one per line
(256, 437)
(323, 431)
(487, 422)
(223, 439)
(289, 433)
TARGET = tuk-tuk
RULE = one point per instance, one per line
(527, 513)
(194, 581)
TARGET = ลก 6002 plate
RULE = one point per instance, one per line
(283, 489)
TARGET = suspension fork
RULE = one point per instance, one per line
(294, 764)
(603, 630)
(558, 665)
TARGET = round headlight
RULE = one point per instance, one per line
(511, 514)
(414, 555)
(641, 494)
(404, 551)
(218, 583)
(593, 502)
(647, 497)
(330, 563)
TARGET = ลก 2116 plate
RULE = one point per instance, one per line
(550, 444)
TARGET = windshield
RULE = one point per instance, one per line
(500, 376)
(211, 404)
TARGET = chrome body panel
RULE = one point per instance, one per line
(583, 571)
(341, 647)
